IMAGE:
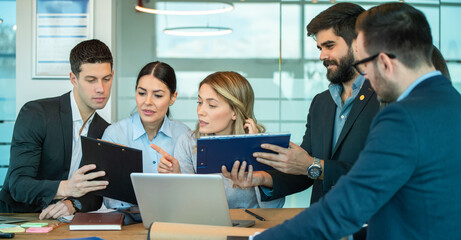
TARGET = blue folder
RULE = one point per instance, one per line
(215, 151)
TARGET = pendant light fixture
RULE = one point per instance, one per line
(227, 8)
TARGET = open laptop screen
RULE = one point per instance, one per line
(181, 198)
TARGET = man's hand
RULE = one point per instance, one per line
(167, 164)
(293, 160)
(247, 179)
(80, 183)
(57, 210)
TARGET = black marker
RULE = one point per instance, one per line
(254, 215)
(6, 235)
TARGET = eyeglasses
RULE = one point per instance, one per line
(360, 69)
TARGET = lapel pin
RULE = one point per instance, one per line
(362, 97)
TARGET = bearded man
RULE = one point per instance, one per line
(338, 121)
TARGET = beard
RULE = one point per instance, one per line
(385, 90)
(344, 72)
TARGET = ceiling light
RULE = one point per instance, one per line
(197, 31)
(228, 7)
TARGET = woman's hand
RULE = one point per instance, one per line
(167, 164)
(248, 179)
(251, 126)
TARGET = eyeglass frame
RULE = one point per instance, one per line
(368, 59)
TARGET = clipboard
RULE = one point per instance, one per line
(118, 162)
(215, 151)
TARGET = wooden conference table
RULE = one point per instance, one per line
(273, 217)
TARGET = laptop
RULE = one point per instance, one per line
(118, 162)
(183, 198)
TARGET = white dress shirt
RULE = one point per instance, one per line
(77, 123)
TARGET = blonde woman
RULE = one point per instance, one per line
(225, 106)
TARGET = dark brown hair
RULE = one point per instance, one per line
(89, 51)
(341, 17)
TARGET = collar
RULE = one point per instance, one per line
(138, 128)
(337, 88)
(75, 112)
(416, 83)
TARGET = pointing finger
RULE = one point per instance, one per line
(159, 150)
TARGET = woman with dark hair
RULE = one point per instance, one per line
(155, 92)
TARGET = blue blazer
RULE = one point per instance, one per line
(406, 181)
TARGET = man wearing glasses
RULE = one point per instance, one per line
(338, 121)
(406, 180)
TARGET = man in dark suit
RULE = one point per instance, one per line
(338, 121)
(44, 174)
(406, 180)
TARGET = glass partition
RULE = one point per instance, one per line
(7, 81)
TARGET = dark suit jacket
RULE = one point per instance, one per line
(40, 156)
(318, 141)
(406, 180)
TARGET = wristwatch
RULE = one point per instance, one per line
(76, 204)
(315, 169)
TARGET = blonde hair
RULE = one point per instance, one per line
(237, 91)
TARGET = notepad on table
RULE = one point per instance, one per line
(97, 221)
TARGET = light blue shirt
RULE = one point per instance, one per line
(416, 82)
(130, 132)
(343, 109)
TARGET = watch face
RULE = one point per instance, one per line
(314, 171)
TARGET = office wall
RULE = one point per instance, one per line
(28, 89)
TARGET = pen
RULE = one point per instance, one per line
(58, 225)
(254, 215)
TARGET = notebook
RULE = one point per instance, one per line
(118, 162)
(215, 151)
(183, 198)
(97, 221)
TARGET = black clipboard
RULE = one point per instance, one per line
(118, 162)
(215, 151)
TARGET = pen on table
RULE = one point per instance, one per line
(57, 225)
(254, 215)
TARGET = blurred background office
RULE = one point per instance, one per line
(264, 40)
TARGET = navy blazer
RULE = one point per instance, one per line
(318, 141)
(406, 180)
(41, 152)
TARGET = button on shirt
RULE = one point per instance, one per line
(130, 132)
(343, 109)
(77, 123)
